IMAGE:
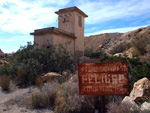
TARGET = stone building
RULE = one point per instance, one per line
(70, 31)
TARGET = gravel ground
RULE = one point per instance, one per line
(7, 106)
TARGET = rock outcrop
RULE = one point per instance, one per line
(49, 77)
(141, 90)
(130, 102)
(140, 96)
(108, 41)
(145, 106)
(101, 41)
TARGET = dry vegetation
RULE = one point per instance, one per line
(62, 96)
(119, 107)
(45, 97)
(116, 43)
(4, 82)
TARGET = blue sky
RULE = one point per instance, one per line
(18, 18)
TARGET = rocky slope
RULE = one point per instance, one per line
(101, 41)
(108, 40)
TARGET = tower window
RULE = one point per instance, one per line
(80, 21)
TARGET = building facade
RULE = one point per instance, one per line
(70, 31)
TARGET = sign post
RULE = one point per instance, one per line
(103, 79)
(103, 104)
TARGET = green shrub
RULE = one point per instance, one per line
(137, 69)
(120, 48)
(4, 82)
(34, 61)
(141, 44)
(36, 100)
(89, 52)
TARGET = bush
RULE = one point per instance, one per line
(145, 58)
(118, 107)
(69, 101)
(22, 75)
(137, 69)
(120, 48)
(46, 96)
(4, 82)
(31, 61)
(141, 44)
(36, 100)
(89, 52)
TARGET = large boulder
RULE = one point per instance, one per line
(141, 90)
(145, 107)
(52, 76)
(139, 97)
(127, 101)
(118, 54)
(39, 79)
(49, 77)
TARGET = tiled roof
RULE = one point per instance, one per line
(53, 30)
(71, 9)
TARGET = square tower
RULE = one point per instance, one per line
(72, 20)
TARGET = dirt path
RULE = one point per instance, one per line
(14, 108)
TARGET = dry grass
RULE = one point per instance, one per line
(20, 100)
(5, 82)
(46, 96)
(36, 100)
(74, 78)
(119, 107)
(68, 99)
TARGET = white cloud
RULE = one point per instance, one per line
(118, 30)
(104, 10)
(24, 16)
(12, 51)
(15, 39)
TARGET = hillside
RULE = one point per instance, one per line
(108, 41)
(101, 41)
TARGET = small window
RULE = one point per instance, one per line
(80, 21)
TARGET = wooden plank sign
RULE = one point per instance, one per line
(103, 79)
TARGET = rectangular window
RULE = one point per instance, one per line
(80, 21)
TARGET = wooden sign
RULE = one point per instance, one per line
(103, 79)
